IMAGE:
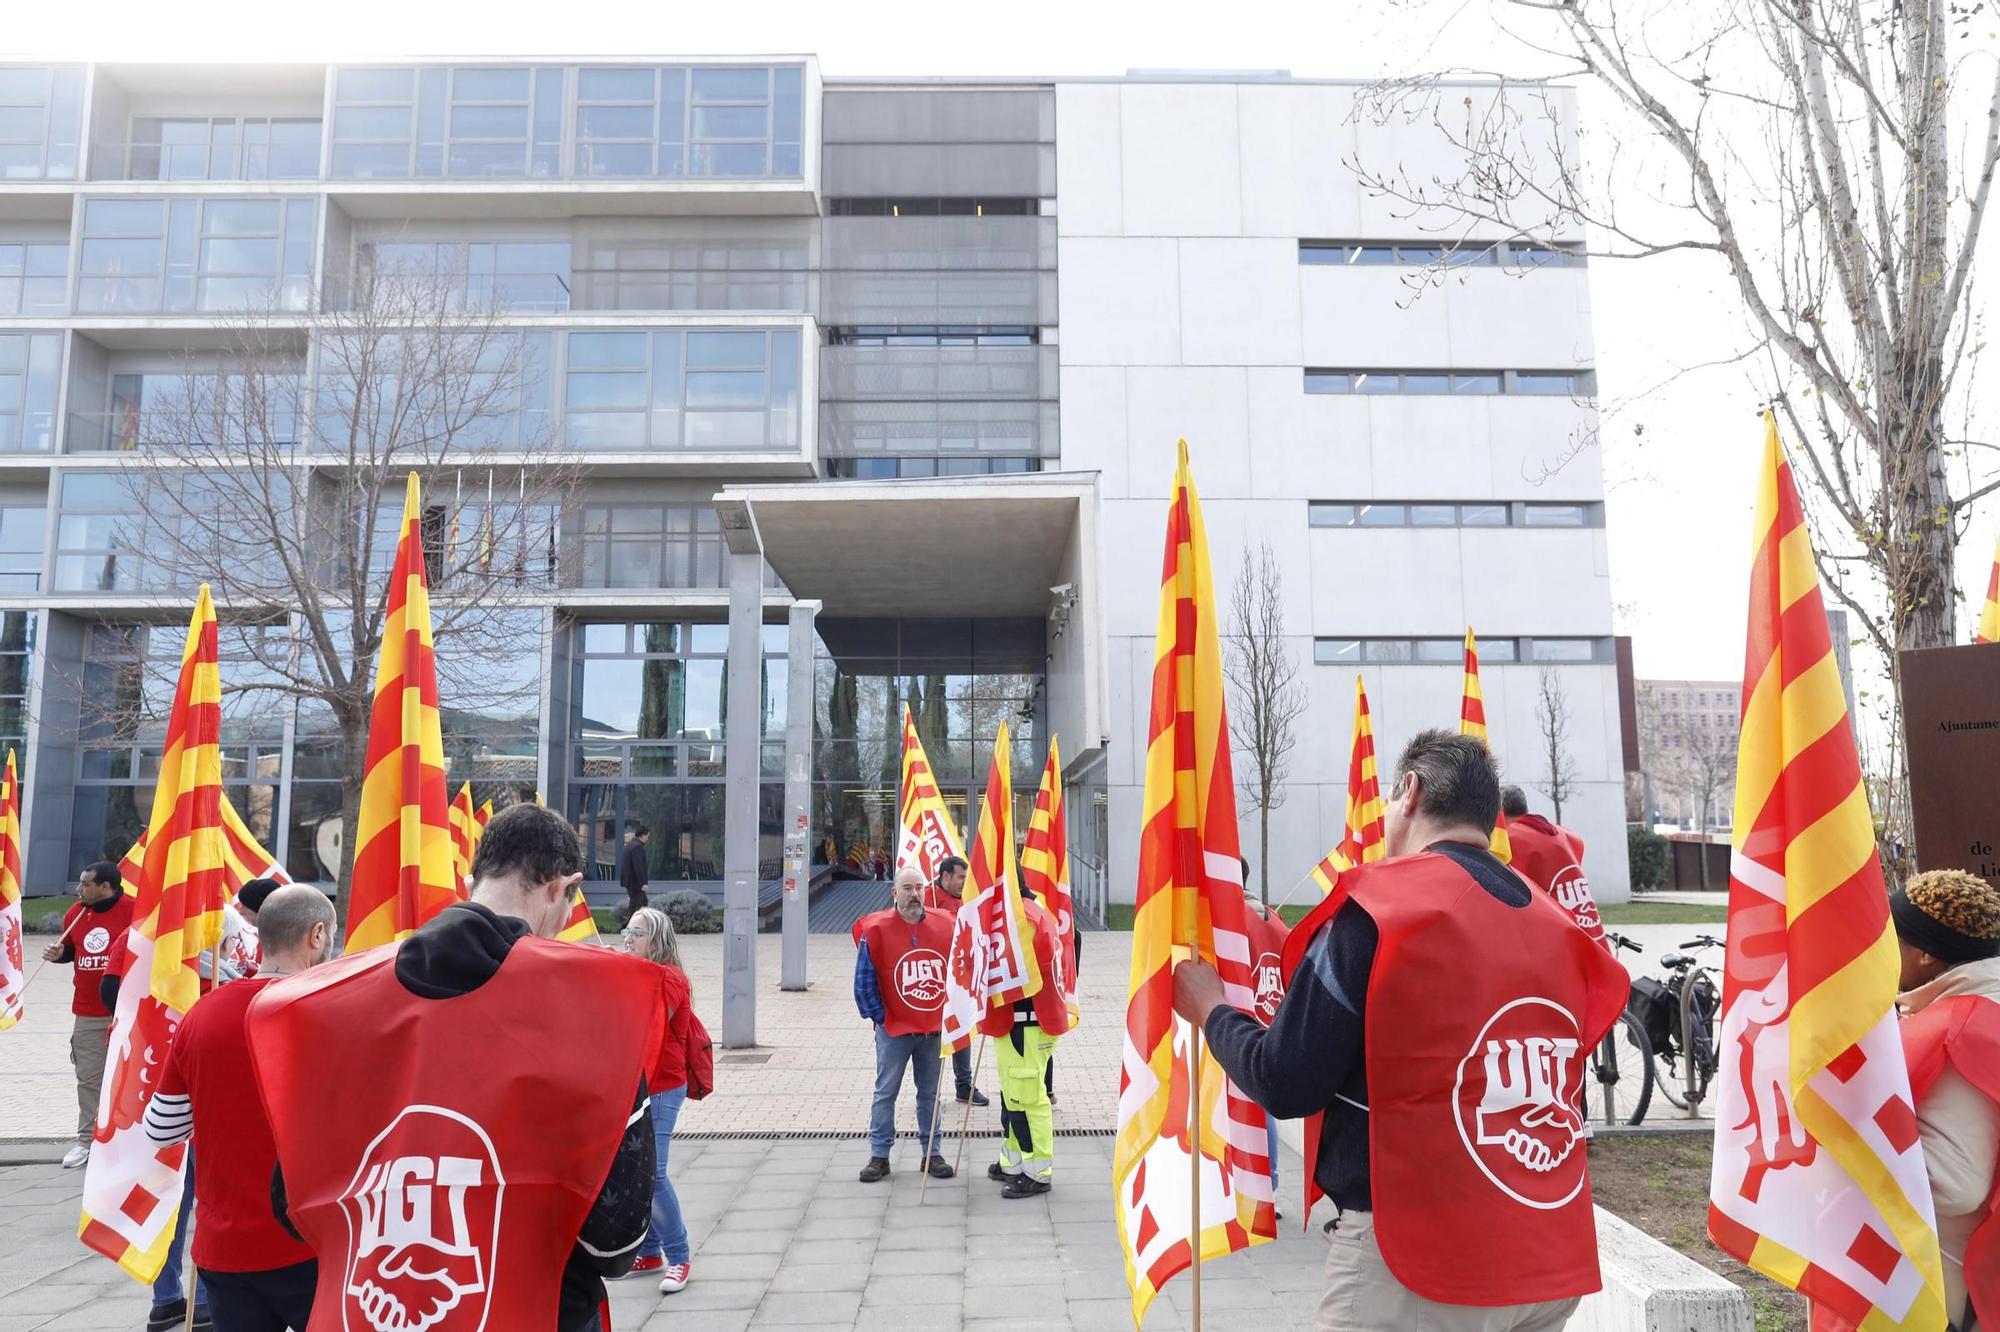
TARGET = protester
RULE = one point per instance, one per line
(1268, 933)
(1551, 858)
(635, 868)
(946, 895)
(650, 934)
(899, 986)
(1949, 925)
(257, 1277)
(461, 1118)
(102, 914)
(1443, 988)
(1024, 1040)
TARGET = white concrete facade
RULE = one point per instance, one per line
(1186, 311)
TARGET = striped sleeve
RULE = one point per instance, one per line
(169, 1119)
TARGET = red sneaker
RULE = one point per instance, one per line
(654, 1263)
(675, 1278)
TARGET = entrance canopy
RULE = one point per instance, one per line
(1008, 546)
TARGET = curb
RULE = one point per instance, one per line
(34, 1151)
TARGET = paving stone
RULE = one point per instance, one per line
(720, 1293)
(677, 1319)
(855, 1250)
(824, 1307)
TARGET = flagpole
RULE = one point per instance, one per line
(44, 966)
(978, 1058)
(937, 1108)
(1194, 1167)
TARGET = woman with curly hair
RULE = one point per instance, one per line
(649, 934)
(1949, 924)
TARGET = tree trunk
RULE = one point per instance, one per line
(1264, 850)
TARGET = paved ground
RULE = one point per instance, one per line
(784, 1236)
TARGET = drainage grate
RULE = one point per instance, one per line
(746, 1058)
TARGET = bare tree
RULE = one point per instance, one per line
(1552, 725)
(274, 469)
(1263, 675)
(1807, 146)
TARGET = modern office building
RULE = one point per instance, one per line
(916, 351)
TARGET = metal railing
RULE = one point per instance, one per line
(149, 160)
(640, 290)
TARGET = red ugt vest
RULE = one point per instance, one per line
(92, 939)
(1551, 858)
(909, 968)
(1480, 1020)
(1964, 1031)
(1051, 1013)
(1268, 935)
(440, 1155)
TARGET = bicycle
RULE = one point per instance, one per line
(1624, 1057)
(1689, 1057)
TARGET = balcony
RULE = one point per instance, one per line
(246, 148)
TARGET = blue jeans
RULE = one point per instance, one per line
(666, 1233)
(1271, 1123)
(167, 1285)
(920, 1052)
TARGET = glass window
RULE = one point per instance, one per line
(28, 383)
(222, 148)
(1484, 515)
(1496, 649)
(145, 256)
(1544, 256)
(21, 532)
(41, 119)
(738, 390)
(1381, 515)
(1318, 252)
(1476, 383)
(1386, 649)
(1330, 515)
(1556, 515)
(1377, 381)
(1329, 381)
(1433, 515)
(1440, 649)
(1545, 384)
(1564, 649)
(1336, 651)
(1422, 383)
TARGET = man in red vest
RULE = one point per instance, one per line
(461, 1119)
(98, 921)
(256, 1274)
(1550, 857)
(1949, 925)
(1438, 985)
(899, 966)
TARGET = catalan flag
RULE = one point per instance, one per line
(1989, 614)
(1818, 1179)
(581, 927)
(1045, 872)
(927, 835)
(131, 1189)
(1361, 840)
(1174, 1119)
(13, 975)
(243, 859)
(480, 818)
(992, 948)
(463, 823)
(403, 853)
(1472, 721)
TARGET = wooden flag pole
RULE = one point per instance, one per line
(965, 1122)
(193, 1283)
(61, 939)
(1194, 1167)
(937, 1108)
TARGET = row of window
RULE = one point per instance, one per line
(175, 256)
(1469, 254)
(889, 469)
(1430, 513)
(213, 148)
(924, 206)
(1451, 651)
(41, 121)
(932, 335)
(1465, 383)
(508, 122)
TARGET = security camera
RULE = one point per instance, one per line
(1063, 592)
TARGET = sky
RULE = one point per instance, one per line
(1679, 447)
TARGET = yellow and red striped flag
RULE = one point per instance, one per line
(13, 976)
(1361, 840)
(131, 1189)
(463, 822)
(992, 963)
(403, 853)
(581, 926)
(243, 859)
(1818, 1181)
(1174, 1119)
(1472, 721)
(480, 818)
(927, 835)
(1989, 614)
(1045, 872)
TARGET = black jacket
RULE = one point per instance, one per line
(634, 867)
(455, 953)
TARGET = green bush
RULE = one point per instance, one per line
(1646, 857)
(691, 913)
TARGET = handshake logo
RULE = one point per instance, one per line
(424, 1211)
(1519, 1102)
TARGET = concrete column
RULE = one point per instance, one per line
(742, 725)
(798, 794)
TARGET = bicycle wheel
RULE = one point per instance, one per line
(1622, 1065)
(1700, 1002)
(1667, 1073)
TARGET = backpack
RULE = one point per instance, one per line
(700, 1060)
(1658, 1010)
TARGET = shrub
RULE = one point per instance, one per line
(1646, 857)
(691, 913)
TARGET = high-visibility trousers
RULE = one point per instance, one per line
(1027, 1121)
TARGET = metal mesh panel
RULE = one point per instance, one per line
(1017, 170)
(938, 372)
(851, 429)
(979, 299)
(959, 243)
(947, 115)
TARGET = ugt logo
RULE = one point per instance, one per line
(423, 1218)
(1572, 893)
(1519, 1102)
(1270, 987)
(920, 980)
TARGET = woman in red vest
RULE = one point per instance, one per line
(650, 934)
(1949, 925)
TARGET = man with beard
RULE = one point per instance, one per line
(899, 986)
